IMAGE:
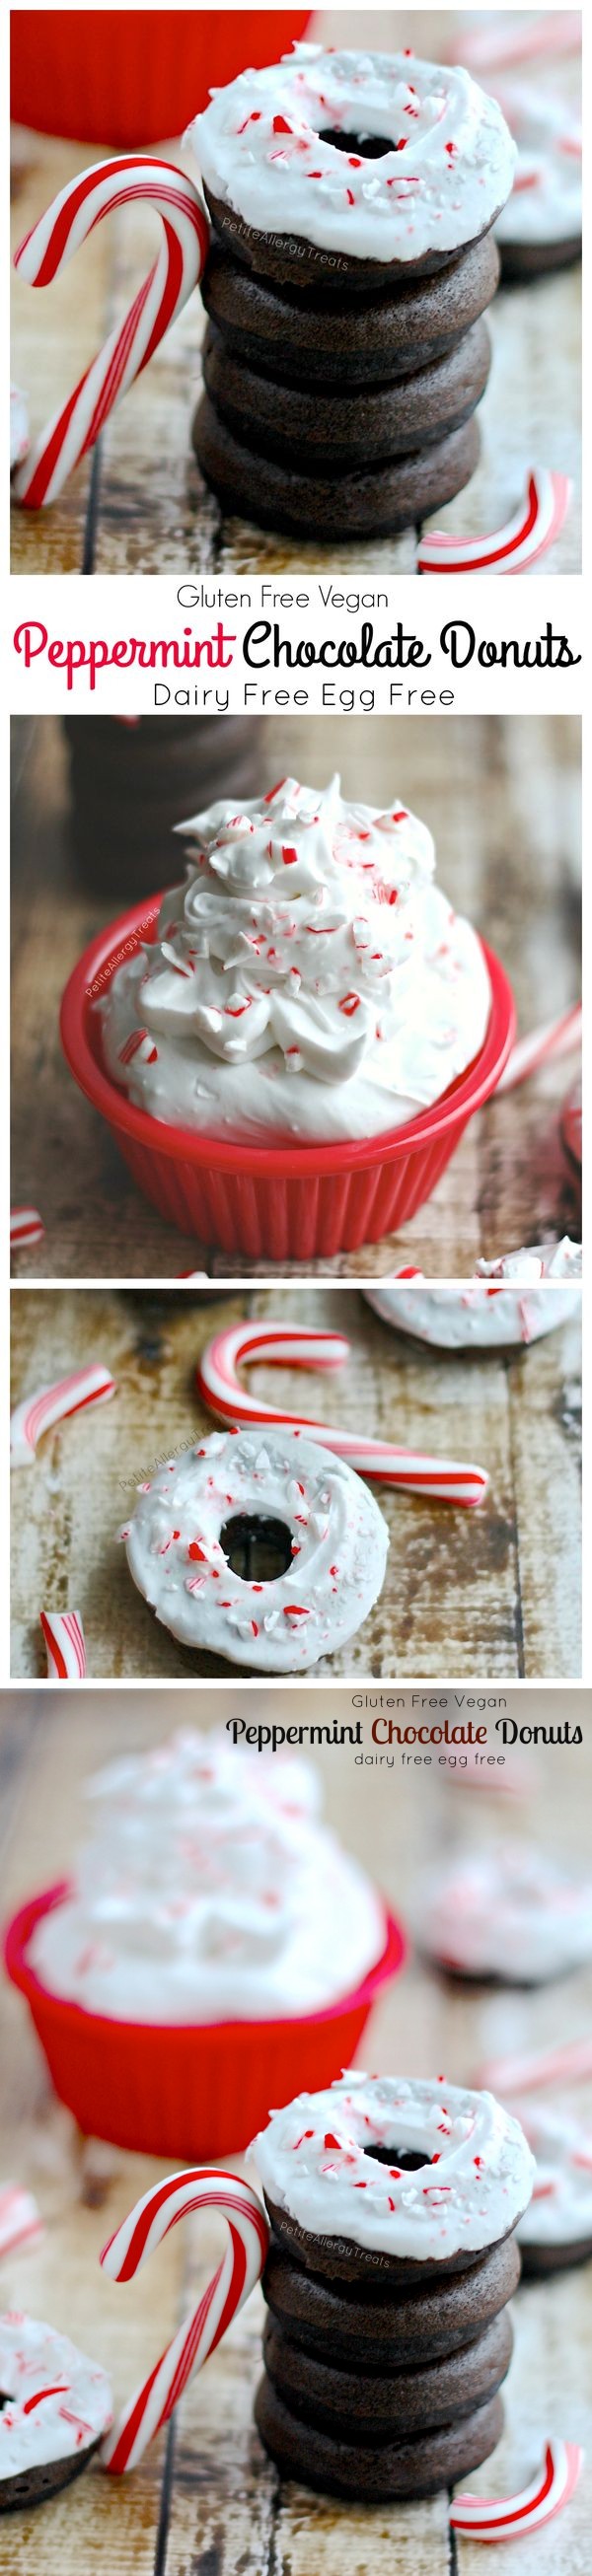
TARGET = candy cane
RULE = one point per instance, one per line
(557, 1038)
(502, 2517)
(513, 548)
(446, 1478)
(20, 2222)
(489, 47)
(47, 249)
(571, 2063)
(241, 2266)
(51, 1404)
(26, 1226)
(64, 1640)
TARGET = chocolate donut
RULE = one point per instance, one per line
(328, 338)
(383, 502)
(337, 431)
(392, 2257)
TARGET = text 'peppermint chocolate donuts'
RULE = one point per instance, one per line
(352, 196)
(393, 2206)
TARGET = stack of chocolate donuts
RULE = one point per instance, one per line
(387, 2341)
(352, 261)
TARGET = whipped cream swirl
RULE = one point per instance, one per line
(209, 1891)
(266, 146)
(315, 2161)
(309, 981)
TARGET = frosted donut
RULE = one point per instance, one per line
(317, 2163)
(559, 2215)
(506, 1912)
(59, 2407)
(282, 150)
(303, 1503)
(508, 1302)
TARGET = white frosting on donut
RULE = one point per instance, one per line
(339, 1548)
(77, 2409)
(209, 1892)
(509, 1912)
(315, 2161)
(560, 2212)
(309, 980)
(546, 200)
(448, 172)
(480, 1316)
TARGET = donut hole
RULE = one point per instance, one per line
(407, 2158)
(258, 1549)
(369, 147)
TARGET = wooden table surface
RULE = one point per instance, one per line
(494, 1592)
(501, 795)
(143, 507)
(208, 2502)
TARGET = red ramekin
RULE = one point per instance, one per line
(186, 2092)
(134, 76)
(286, 1203)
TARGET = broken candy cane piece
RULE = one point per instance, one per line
(20, 2222)
(46, 250)
(64, 1641)
(558, 1037)
(241, 2266)
(51, 1404)
(448, 1480)
(504, 2517)
(513, 548)
(26, 1226)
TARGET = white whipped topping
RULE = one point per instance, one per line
(339, 1543)
(210, 1891)
(560, 2212)
(508, 1912)
(504, 1304)
(546, 200)
(309, 980)
(34, 2358)
(447, 173)
(315, 2161)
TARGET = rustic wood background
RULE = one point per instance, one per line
(207, 2502)
(501, 795)
(143, 506)
(496, 1592)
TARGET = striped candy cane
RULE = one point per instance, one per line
(241, 2266)
(47, 249)
(513, 548)
(20, 2223)
(504, 2517)
(26, 1226)
(557, 1038)
(570, 2063)
(447, 1479)
(50, 1404)
(65, 1647)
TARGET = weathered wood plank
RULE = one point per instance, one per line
(462, 1593)
(501, 796)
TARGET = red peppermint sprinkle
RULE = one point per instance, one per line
(253, 119)
(268, 800)
(281, 126)
(350, 1003)
(299, 2142)
(330, 2141)
(296, 1611)
(197, 1553)
(289, 856)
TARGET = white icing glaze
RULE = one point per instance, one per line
(546, 200)
(309, 981)
(33, 2358)
(339, 1549)
(560, 2212)
(504, 1304)
(314, 2162)
(509, 1912)
(449, 170)
(210, 1891)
